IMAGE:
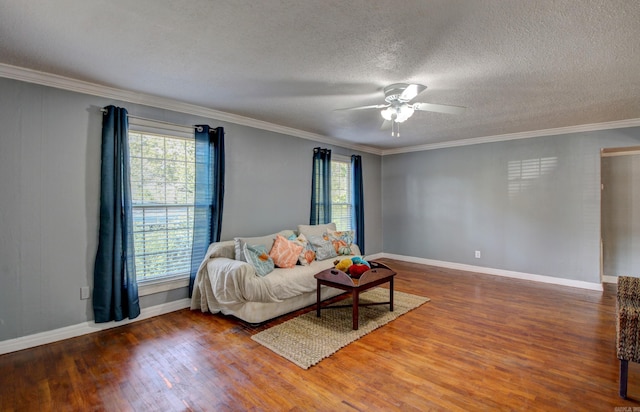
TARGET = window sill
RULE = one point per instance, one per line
(162, 285)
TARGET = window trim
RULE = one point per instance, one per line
(152, 286)
(137, 124)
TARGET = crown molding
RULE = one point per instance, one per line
(618, 124)
(79, 86)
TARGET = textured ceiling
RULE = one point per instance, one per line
(516, 65)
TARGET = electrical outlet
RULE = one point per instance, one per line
(84, 292)
(478, 254)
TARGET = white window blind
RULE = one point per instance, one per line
(341, 202)
(162, 189)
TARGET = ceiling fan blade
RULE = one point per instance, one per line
(411, 92)
(386, 125)
(373, 106)
(438, 108)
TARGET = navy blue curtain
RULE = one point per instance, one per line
(321, 187)
(115, 290)
(357, 217)
(209, 194)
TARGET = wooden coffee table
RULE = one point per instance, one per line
(377, 275)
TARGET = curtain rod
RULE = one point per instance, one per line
(103, 110)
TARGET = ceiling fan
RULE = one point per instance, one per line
(398, 108)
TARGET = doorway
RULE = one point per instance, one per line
(620, 213)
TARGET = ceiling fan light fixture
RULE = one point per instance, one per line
(397, 114)
(404, 112)
(389, 113)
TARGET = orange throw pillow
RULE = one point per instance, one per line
(284, 252)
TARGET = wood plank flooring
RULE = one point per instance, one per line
(481, 343)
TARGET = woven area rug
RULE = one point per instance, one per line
(306, 340)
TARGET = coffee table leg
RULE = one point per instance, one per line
(391, 295)
(318, 298)
(356, 301)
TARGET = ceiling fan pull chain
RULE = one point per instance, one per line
(395, 129)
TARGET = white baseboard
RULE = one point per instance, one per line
(496, 272)
(609, 279)
(375, 256)
(42, 338)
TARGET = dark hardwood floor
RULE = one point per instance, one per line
(481, 343)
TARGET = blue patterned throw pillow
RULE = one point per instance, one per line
(323, 247)
(258, 257)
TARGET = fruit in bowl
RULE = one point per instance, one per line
(357, 270)
(343, 264)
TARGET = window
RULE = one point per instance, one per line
(162, 191)
(341, 202)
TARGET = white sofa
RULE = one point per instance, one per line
(225, 284)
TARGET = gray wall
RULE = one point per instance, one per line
(268, 179)
(530, 205)
(49, 194)
(621, 215)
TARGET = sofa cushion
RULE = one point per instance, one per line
(224, 249)
(258, 257)
(267, 241)
(285, 252)
(315, 230)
